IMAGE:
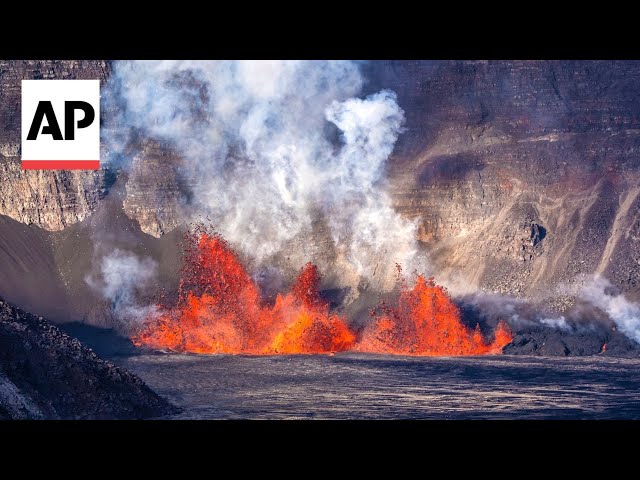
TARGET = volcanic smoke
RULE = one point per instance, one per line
(219, 310)
(268, 148)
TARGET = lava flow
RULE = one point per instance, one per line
(426, 322)
(219, 309)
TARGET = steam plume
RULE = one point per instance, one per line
(624, 313)
(122, 275)
(268, 145)
(557, 322)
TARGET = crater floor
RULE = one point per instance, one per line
(347, 386)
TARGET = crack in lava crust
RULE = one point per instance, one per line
(219, 310)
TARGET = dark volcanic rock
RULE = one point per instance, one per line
(45, 373)
(589, 340)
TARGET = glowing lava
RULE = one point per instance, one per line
(426, 322)
(219, 309)
(303, 320)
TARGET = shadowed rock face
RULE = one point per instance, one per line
(44, 373)
(553, 343)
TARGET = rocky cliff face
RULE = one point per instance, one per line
(154, 191)
(49, 199)
(524, 175)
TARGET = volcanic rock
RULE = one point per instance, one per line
(493, 149)
(492, 152)
(590, 340)
(45, 373)
(155, 195)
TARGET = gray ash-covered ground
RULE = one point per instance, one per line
(359, 386)
(46, 374)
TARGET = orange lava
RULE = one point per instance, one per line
(426, 322)
(219, 309)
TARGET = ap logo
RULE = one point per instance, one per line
(60, 124)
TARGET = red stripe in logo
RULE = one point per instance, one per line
(60, 164)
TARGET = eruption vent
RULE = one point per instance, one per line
(219, 310)
(426, 322)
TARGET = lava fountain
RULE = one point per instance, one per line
(219, 310)
(426, 322)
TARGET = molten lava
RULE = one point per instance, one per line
(313, 329)
(219, 309)
(426, 322)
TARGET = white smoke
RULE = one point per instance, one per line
(517, 312)
(268, 144)
(557, 322)
(625, 314)
(121, 276)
